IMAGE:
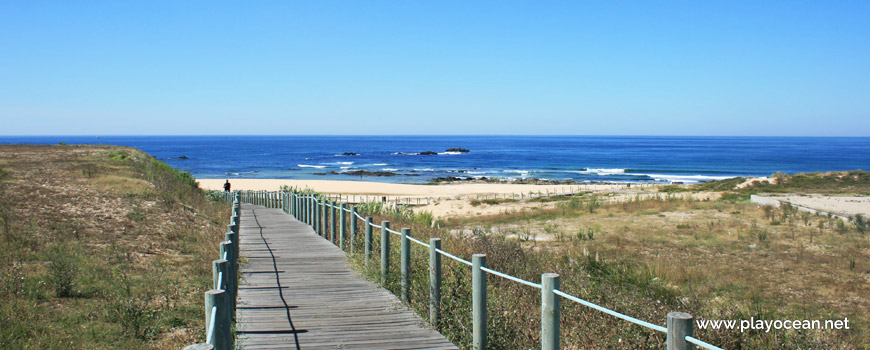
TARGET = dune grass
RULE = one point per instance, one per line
(106, 247)
(724, 259)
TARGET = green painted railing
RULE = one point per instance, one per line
(321, 213)
(220, 301)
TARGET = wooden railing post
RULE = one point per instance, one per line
(385, 251)
(317, 216)
(219, 273)
(680, 325)
(368, 240)
(478, 302)
(334, 222)
(434, 281)
(342, 218)
(549, 312)
(406, 265)
(309, 211)
(230, 275)
(324, 218)
(353, 228)
(223, 338)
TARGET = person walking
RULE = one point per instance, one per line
(227, 186)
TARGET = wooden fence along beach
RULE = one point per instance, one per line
(338, 224)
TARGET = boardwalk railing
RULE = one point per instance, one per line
(220, 301)
(328, 217)
(549, 191)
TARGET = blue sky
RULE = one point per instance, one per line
(790, 68)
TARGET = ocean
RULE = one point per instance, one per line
(590, 159)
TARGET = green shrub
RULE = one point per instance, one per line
(62, 270)
(137, 318)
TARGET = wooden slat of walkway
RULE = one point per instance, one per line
(297, 292)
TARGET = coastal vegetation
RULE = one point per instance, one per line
(715, 259)
(105, 247)
(834, 183)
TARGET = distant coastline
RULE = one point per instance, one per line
(558, 159)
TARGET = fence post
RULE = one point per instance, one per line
(434, 281)
(549, 312)
(333, 235)
(406, 265)
(324, 218)
(309, 210)
(385, 251)
(368, 240)
(334, 221)
(342, 218)
(315, 216)
(478, 301)
(222, 338)
(230, 275)
(219, 268)
(353, 229)
(679, 326)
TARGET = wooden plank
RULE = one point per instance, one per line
(297, 292)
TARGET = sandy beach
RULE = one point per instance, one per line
(392, 189)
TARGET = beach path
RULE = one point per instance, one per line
(296, 291)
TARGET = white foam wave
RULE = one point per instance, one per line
(449, 153)
(603, 171)
(311, 166)
(379, 164)
(522, 173)
(424, 170)
(684, 178)
(389, 169)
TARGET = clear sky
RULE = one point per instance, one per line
(793, 68)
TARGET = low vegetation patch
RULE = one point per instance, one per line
(105, 247)
(716, 259)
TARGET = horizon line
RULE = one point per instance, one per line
(435, 135)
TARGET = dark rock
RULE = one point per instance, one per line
(350, 154)
(182, 157)
(428, 153)
(458, 149)
(370, 173)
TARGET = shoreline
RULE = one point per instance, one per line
(407, 190)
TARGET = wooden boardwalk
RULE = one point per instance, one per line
(296, 291)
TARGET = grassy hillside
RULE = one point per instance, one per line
(105, 247)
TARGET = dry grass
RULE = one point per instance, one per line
(714, 259)
(100, 253)
(724, 258)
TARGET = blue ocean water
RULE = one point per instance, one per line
(581, 158)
